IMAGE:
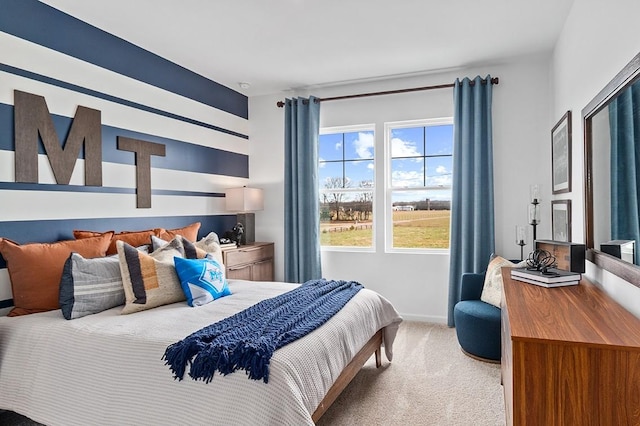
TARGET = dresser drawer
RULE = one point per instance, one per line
(248, 254)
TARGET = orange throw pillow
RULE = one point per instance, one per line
(190, 232)
(35, 270)
(134, 238)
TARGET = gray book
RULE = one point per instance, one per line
(552, 275)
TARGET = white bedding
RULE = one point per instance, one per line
(106, 369)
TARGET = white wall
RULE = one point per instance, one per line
(417, 284)
(598, 40)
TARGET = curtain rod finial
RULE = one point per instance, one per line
(280, 104)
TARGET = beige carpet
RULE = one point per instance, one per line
(430, 382)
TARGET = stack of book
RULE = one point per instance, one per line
(551, 278)
(227, 246)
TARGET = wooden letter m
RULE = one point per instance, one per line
(32, 120)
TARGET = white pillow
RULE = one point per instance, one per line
(492, 290)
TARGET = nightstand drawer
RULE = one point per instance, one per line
(249, 254)
(253, 262)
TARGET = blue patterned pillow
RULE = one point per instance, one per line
(202, 280)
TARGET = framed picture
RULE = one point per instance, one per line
(561, 155)
(561, 220)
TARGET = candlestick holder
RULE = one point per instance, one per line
(521, 237)
(534, 209)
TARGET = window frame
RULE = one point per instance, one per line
(350, 129)
(389, 189)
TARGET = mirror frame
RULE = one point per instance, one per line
(627, 271)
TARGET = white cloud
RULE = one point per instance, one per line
(442, 177)
(442, 180)
(406, 179)
(364, 145)
(370, 166)
(338, 146)
(400, 148)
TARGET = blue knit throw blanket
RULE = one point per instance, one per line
(248, 339)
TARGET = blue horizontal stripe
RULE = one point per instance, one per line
(115, 99)
(183, 156)
(20, 186)
(42, 24)
(187, 193)
(47, 231)
(6, 303)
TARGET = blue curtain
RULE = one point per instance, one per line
(301, 210)
(624, 121)
(472, 222)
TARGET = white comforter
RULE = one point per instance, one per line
(106, 369)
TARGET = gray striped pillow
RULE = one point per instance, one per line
(89, 286)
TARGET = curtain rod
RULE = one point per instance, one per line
(494, 80)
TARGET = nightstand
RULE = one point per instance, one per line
(252, 262)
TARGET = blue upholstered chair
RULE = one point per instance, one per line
(477, 322)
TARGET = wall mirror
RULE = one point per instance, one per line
(612, 161)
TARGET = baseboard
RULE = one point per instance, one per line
(424, 318)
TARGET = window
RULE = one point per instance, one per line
(417, 193)
(419, 176)
(346, 167)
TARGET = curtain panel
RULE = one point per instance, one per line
(625, 167)
(302, 209)
(472, 214)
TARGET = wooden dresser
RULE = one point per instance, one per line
(570, 356)
(252, 262)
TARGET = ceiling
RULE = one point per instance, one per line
(279, 45)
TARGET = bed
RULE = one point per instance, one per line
(106, 368)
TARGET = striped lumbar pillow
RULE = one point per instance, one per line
(150, 280)
(89, 286)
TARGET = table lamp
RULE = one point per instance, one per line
(244, 201)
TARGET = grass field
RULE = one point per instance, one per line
(411, 229)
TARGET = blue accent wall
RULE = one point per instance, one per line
(179, 155)
(206, 150)
(49, 27)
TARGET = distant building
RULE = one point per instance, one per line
(403, 208)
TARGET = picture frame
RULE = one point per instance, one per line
(561, 155)
(561, 220)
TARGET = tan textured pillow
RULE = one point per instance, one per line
(35, 270)
(190, 232)
(134, 238)
(492, 290)
(207, 245)
(210, 244)
(150, 280)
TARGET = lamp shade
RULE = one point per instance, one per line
(244, 199)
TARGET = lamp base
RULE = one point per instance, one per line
(248, 221)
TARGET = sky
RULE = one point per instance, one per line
(414, 150)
